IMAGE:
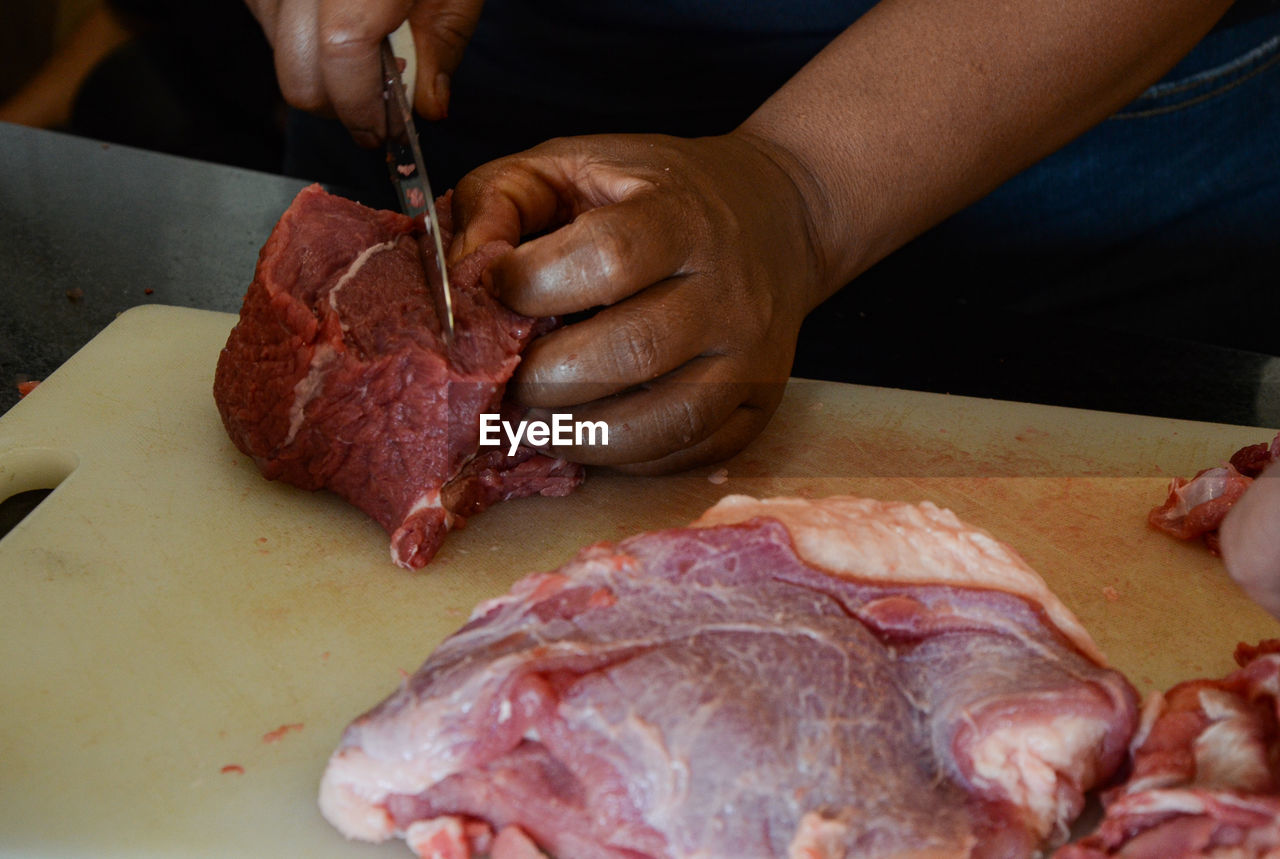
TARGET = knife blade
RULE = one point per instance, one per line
(409, 176)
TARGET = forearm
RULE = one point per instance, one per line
(923, 106)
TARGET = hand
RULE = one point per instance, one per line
(327, 54)
(1250, 540)
(699, 254)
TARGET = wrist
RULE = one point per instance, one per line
(804, 207)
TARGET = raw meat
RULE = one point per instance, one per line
(1196, 507)
(784, 678)
(337, 375)
(1206, 771)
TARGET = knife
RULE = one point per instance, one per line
(409, 176)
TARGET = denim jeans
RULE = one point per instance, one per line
(1164, 218)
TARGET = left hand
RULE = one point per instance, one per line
(328, 62)
(700, 257)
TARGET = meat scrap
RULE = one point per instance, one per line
(1206, 771)
(783, 678)
(278, 734)
(337, 375)
(1196, 507)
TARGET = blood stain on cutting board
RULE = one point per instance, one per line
(892, 454)
(1177, 614)
(281, 732)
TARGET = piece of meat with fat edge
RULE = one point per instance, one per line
(1205, 777)
(783, 678)
(337, 375)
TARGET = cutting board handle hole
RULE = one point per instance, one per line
(27, 477)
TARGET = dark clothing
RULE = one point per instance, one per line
(196, 80)
(537, 69)
(1163, 221)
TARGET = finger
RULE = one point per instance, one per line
(739, 429)
(503, 200)
(441, 29)
(499, 201)
(265, 12)
(350, 35)
(537, 190)
(602, 257)
(676, 412)
(294, 36)
(631, 343)
(742, 426)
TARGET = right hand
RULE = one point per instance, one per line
(327, 54)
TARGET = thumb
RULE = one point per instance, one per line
(441, 31)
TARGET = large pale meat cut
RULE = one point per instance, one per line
(1205, 778)
(784, 678)
(337, 375)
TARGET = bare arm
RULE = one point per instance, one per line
(708, 253)
(922, 107)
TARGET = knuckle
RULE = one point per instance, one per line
(610, 247)
(453, 28)
(687, 420)
(347, 34)
(636, 352)
(486, 185)
(468, 195)
(479, 189)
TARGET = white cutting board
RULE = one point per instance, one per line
(166, 608)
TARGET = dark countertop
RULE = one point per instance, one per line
(88, 230)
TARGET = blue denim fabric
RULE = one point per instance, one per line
(1163, 219)
(1196, 145)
